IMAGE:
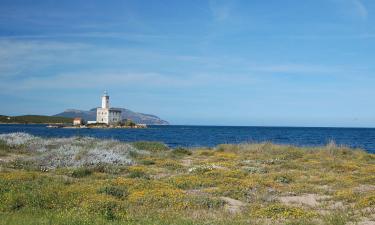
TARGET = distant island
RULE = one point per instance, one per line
(67, 116)
(126, 114)
(99, 115)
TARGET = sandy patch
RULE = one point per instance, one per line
(232, 205)
(364, 188)
(186, 162)
(8, 158)
(366, 222)
(311, 200)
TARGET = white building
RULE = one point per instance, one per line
(107, 115)
(77, 121)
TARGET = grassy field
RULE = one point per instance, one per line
(90, 181)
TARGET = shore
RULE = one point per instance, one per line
(83, 180)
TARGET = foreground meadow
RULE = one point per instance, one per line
(90, 181)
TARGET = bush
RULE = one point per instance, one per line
(107, 168)
(147, 162)
(81, 172)
(138, 174)
(129, 123)
(206, 202)
(150, 146)
(277, 211)
(336, 218)
(28, 165)
(283, 179)
(181, 152)
(114, 191)
(252, 170)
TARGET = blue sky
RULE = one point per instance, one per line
(250, 62)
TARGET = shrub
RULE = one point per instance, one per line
(192, 182)
(108, 211)
(336, 218)
(206, 202)
(147, 162)
(207, 153)
(283, 179)
(107, 168)
(114, 191)
(368, 201)
(28, 165)
(161, 197)
(181, 152)
(292, 153)
(150, 146)
(251, 170)
(277, 211)
(16, 202)
(137, 172)
(201, 169)
(81, 172)
(171, 165)
(303, 221)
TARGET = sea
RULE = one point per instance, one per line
(210, 136)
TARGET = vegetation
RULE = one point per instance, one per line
(129, 123)
(230, 184)
(35, 119)
(150, 146)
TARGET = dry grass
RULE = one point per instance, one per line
(231, 184)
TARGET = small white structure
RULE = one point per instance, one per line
(77, 121)
(107, 115)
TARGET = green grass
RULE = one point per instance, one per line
(81, 172)
(186, 186)
(181, 152)
(150, 146)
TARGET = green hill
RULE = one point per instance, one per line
(34, 119)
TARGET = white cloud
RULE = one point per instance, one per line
(102, 80)
(297, 68)
(22, 57)
(21, 61)
(360, 8)
(355, 8)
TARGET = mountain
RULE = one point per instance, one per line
(126, 114)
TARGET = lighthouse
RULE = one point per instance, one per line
(106, 115)
(105, 100)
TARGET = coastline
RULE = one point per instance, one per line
(211, 136)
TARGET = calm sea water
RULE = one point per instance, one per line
(195, 136)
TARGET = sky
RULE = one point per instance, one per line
(193, 62)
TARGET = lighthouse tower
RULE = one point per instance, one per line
(105, 100)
